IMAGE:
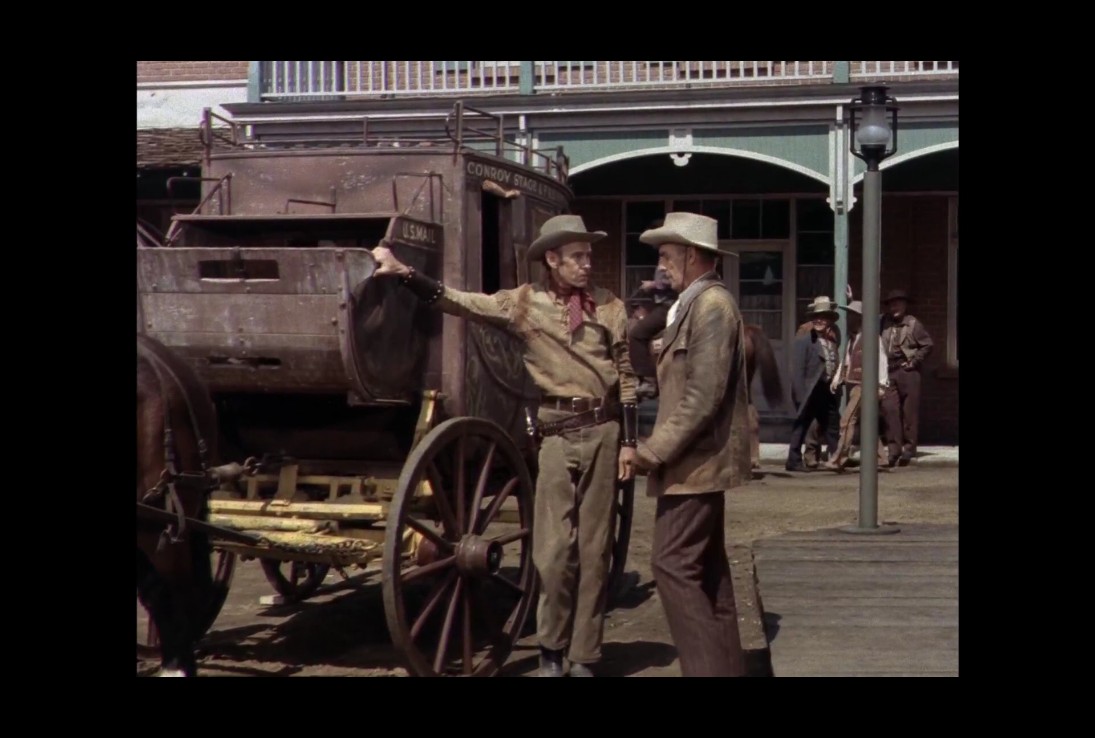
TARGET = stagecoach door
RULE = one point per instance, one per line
(761, 278)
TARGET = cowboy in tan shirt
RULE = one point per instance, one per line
(575, 350)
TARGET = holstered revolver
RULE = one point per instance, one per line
(531, 426)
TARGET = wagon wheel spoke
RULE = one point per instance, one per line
(467, 634)
(511, 537)
(422, 571)
(429, 534)
(495, 633)
(477, 474)
(506, 583)
(492, 511)
(444, 509)
(461, 445)
(446, 629)
(152, 636)
(480, 488)
(431, 603)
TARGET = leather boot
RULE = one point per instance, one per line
(580, 670)
(551, 663)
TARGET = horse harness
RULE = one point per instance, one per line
(164, 497)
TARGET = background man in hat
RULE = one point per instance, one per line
(813, 366)
(646, 330)
(699, 448)
(850, 372)
(812, 455)
(575, 350)
(907, 344)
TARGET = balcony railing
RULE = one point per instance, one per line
(318, 80)
(555, 76)
(901, 69)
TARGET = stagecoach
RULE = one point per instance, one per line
(374, 433)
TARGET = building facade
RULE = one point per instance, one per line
(760, 146)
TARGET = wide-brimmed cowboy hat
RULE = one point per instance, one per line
(822, 305)
(855, 306)
(559, 231)
(686, 229)
(897, 295)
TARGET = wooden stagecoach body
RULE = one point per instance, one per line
(377, 428)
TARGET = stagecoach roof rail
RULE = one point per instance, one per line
(427, 178)
(557, 166)
(457, 130)
(225, 209)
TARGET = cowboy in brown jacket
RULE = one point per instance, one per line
(575, 350)
(699, 448)
(907, 344)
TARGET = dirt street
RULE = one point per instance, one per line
(341, 630)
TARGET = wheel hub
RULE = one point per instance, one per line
(478, 557)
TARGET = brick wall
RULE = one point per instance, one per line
(914, 257)
(604, 215)
(190, 71)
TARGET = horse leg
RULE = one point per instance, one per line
(165, 607)
(754, 436)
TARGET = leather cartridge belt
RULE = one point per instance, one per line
(588, 411)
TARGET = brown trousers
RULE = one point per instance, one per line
(692, 574)
(572, 536)
(901, 410)
(848, 422)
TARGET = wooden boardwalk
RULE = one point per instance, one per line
(840, 604)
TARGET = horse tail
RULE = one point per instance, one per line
(765, 359)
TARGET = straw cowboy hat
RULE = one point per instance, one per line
(822, 306)
(855, 306)
(897, 295)
(686, 229)
(559, 231)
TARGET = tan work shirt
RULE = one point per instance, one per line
(587, 363)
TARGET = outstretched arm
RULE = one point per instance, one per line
(491, 309)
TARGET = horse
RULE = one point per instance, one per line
(176, 440)
(759, 354)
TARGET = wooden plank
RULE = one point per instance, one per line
(767, 558)
(300, 271)
(909, 589)
(840, 605)
(855, 569)
(311, 510)
(917, 532)
(885, 613)
(254, 314)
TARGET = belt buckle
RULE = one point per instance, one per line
(599, 414)
(574, 404)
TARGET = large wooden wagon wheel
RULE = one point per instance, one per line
(625, 509)
(458, 575)
(224, 565)
(295, 581)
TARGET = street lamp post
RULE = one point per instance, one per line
(874, 138)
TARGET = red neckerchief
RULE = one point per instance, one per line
(578, 302)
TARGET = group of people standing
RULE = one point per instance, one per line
(577, 351)
(817, 375)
